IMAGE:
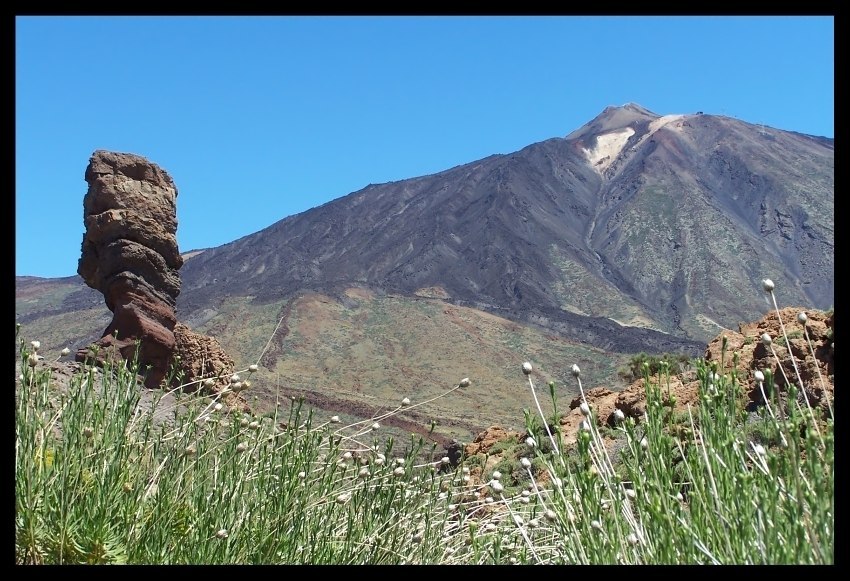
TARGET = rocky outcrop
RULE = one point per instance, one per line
(744, 352)
(199, 357)
(130, 254)
(488, 438)
(815, 372)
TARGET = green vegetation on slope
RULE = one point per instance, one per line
(100, 478)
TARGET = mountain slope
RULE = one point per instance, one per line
(663, 222)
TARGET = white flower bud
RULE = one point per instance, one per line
(190, 450)
(241, 447)
(221, 534)
(766, 340)
(209, 382)
(343, 498)
(302, 475)
(758, 375)
(252, 368)
(802, 317)
(585, 409)
(234, 378)
(524, 499)
(465, 470)
(364, 473)
(399, 471)
(405, 401)
(347, 455)
(526, 367)
(489, 500)
(255, 425)
(584, 426)
(496, 475)
(218, 407)
(496, 486)
(65, 352)
(529, 441)
(32, 360)
(631, 493)
(644, 443)
(376, 426)
(550, 515)
(596, 524)
(679, 497)
(759, 450)
(632, 539)
(335, 419)
(525, 462)
(244, 422)
(768, 285)
(619, 415)
(445, 460)
(464, 382)
(575, 370)
(36, 345)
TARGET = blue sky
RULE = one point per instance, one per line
(259, 118)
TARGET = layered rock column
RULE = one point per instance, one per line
(130, 254)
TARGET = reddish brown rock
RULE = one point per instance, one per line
(486, 439)
(744, 352)
(199, 357)
(130, 254)
(815, 372)
(745, 348)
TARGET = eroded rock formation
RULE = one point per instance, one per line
(130, 254)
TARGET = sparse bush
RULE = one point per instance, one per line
(642, 363)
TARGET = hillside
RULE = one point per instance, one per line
(635, 232)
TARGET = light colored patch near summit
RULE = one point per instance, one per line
(657, 124)
(608, 147)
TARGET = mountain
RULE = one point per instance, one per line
(662, 222)
(635, 232)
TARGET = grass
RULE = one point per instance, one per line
(101, 478)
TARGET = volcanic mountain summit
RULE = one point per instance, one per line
(659, 222)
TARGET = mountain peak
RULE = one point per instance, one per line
(615, 118)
